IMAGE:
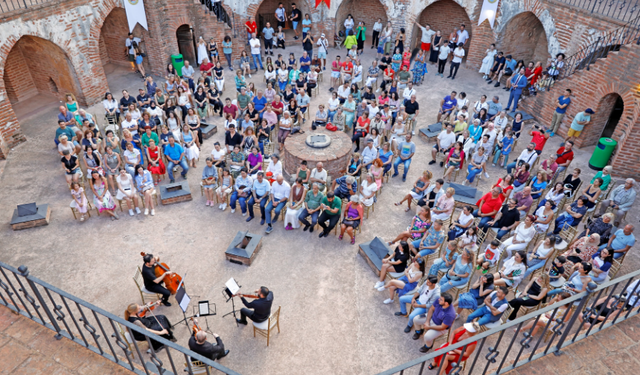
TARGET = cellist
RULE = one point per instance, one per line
(153, 283)
(199, 344)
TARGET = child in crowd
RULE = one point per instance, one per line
(557, 268)
(490, 256)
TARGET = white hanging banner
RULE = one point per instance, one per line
(136, 14)
(488, 12)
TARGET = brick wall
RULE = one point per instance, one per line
(17, 77)
(366, 11)
(524, 38)
(617, 74)
(443, 15)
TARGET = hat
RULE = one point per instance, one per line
(471, 327)
(322, 35)
(589, 111)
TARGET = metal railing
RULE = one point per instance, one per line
(7, 6)
(501, 349)
(600, 48)
(218, 10)
(95, 329)
(622, 10)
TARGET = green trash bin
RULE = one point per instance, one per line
(602, 153)
(178, 62)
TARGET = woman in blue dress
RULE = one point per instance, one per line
(419, 67)
(396, 60)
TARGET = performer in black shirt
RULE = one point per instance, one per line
(199, 344)
(151, 282)
(261, 306)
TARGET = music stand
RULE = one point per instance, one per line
(183, 300)
(204, 310)
(231, 288)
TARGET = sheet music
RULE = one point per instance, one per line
(203, 308)
(184, 302)
(232, 285)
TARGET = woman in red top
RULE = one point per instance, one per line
(506, 183)
(468, 330)
(361, 129)
(156, 165)
(406, 59)
(537, 72)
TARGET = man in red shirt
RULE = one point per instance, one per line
(335, 71)
(565, 156)
(205, 70)
(539, 137)
(489, 205)
(230, 108)
(251, 28)
(277, 105)
(347, 71)
(387, 78)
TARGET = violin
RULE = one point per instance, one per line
(195, 327)
(148, 307)
(171, 282)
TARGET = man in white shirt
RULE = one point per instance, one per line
(255, 51)
(319, 176)
(187, 73)
(323, 48)
(444, 141)
(421, 301)
(408, 92)
(130, 124)
(277, 199)
(482, 103)
(463, 35)
(443, 56)
(458, 54)
(343, 92)
(501, 121)
(281, 15)
(427, 36)
(130, 44)
(369, 154)
(528, 155)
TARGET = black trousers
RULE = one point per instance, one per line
(268, 44)
(375, 38)
(333, 220)
(453, 70)
(441, 65)
(199, 133)
(310, 87)
(157, 288)
(247, 313)
(519, 302)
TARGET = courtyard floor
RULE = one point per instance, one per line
(332, 320)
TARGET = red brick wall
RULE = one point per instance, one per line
(524, 38)
(17, 77)
(443, 15)
(366, 11)
(618, 74)
(114, 32)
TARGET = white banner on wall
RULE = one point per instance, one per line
(136, 14)
(488, 12)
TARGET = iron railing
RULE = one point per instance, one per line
(622, 10)
(610, 41)
(218, 10)
(501, 349)
(7, 6)
(95, 329)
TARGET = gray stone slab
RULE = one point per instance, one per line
(174, 190)
(41, 214)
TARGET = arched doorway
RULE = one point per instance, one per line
(36, 66)
(608, 115)
(186, 43)
(113, 34)
(433, 15)
(366, 11)
(525, 39)
(266, 13)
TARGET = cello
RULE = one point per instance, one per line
(171, 282)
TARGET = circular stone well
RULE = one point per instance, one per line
(334, 155)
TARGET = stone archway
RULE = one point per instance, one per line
(608, 116)
(38, 66)
(525, 38)
(366, 11)
(456, 15)
(113, 34)
(266, 13)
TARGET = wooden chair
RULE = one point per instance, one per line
(74, 210)
(568, 233)
(266, 328)
(140, 284)
(197, 367)
(498, 323)
(127, 339)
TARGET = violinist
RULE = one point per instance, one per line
(143, 317)
(261, 306)
(199, 344)
(153, 283)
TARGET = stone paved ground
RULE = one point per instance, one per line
(333, 321)
(26, 347)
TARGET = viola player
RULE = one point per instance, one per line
(261, 306)
(199, 344)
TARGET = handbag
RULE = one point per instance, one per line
(331, 127)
